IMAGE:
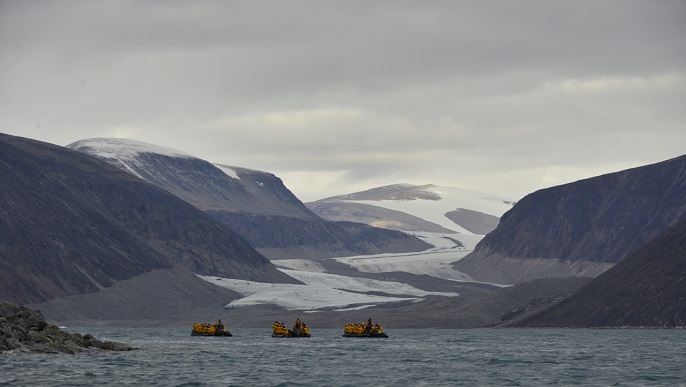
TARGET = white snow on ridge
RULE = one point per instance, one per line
(125, 149)
(451, 199)
(228, 171)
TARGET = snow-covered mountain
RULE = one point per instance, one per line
(85, 223)
(255, 204)
(343, 283)
(206, 186)
(417, 208)
(72, 225)
(360, 265)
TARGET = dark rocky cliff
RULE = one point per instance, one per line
(581, 228)
(473, 221)
(73, 224)
(647, 289)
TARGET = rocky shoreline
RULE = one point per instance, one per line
(25, 330)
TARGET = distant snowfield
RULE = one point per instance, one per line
(125, 149)
(328, 291)
(433, 262)
(231, 172)
(451, 199)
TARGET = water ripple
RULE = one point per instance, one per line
(408, 357)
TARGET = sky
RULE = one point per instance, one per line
(334, 97)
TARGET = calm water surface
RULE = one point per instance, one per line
(408, 357)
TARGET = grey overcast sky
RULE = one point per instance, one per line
(505, 97)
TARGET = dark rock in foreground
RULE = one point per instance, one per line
(24, 329)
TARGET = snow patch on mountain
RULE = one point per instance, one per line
(229, 171)
(450, 199)
(429, 202)
(124, 149)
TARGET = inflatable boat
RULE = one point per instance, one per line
(217, 329)
(364, 330)
(300, 329)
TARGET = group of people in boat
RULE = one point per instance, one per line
(300, 329)
(205, 328)
(364, 328)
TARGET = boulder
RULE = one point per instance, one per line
(25, 330)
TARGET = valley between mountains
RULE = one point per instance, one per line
(120, 232)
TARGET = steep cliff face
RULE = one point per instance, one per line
(257, 205)
(73, 224)
(581, 228)
(646, 289)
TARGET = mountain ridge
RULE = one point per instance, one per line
(581, 228)
(73, 224)
(253, 203)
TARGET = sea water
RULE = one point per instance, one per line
(408, 358)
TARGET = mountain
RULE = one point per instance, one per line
(206, 186)
(646, 289)
(473, 221)
(417, 208)
(72, 224)
(255, 204)
(581, 228)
